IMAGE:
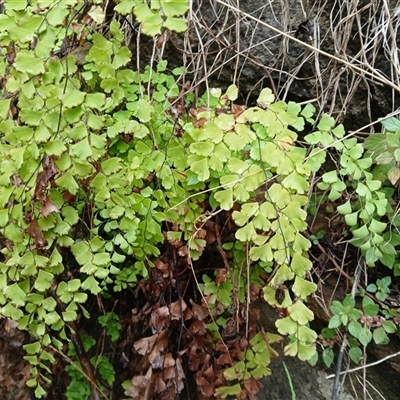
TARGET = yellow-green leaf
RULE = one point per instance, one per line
(300, 313)
(303, 288)
(73, 98)
(28, 62)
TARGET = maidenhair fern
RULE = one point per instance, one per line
(101, 169)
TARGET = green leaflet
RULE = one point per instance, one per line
(73, 98)
(43, 280)
(286, 326)
(81, 150)
(300, 313)
(225, 198)
(162, 13)
(91, 285)
(27, 62)
(15, 294)
(303, 288)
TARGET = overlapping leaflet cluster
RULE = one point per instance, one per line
(156, 16)
(364, 173)
(68, 217)
(94, 160)
(256, 151)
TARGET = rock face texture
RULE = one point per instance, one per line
(340, 55)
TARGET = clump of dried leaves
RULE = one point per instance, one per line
(168, 340)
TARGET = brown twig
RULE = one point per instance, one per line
(85, 363)
(226, 264)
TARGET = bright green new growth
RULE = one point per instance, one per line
(160, 14)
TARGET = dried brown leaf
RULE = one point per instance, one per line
(206, 388)
(252, 386)
(156, 359)
(203, 107)
(224, 359)
(36, 233)
(134, 391)
(140, 381)
(252, 315)
(69, 197)
(237, 110)
(159, 384)
(126, 138)
(236, 351)
(16, 180)
(199, 312)
(175, 243)
(160, 318)
(210, 227)
(200, 122)
(177, 308)
(220, 381)
(43, 178)
(194, 362)
(201, 233)
(169, 361)
(244, 396)
(160, 265)
(222, 346)
(10, 326)
(163, 340)
(230, 329)
(180, 375)
(169, 373)
(198, 328)
(243, 343)
(183, 251)
(254, 292)
(209, 373)
(135, 318)
(48, 207)
(222, 276)
(144, 345)
(219, 111)
(9, 245)
(192, 112)
(139, 384)
(11, 53)
(187, 314)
